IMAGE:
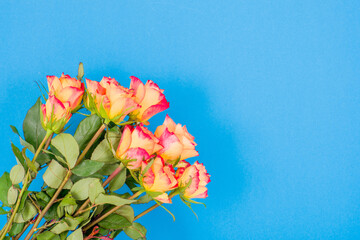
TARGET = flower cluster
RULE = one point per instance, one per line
(110, 148)
(65, 96)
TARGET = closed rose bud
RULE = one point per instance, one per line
(150, 97)
(67, 90)
(54, 114)
(137, 143)
(199, 178)
(159, 178)
(176, 141)
(109, 100)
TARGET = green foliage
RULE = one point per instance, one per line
(135, 231)
(16, 228)
(118, 181)
(55, 174)
(17, 174)
(5, 184)
(76, 235)
(80, 190)
(87, 168)
(12, 195)
(19, 155)
(103, 153)
(95, 188)
(112, 199)
(86, 130)
(34, 133)
(68, 147)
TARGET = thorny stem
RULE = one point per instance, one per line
(67, 177)
(109, 212)
(25, 186)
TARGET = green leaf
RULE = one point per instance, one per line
(43, 158)
(14, 129)
(136, 231)
(29, 211)
(29, 163)
(67, 200)
(34, 133)
(103, 153)
(48, 236)
(5, 184)
(108, 169)
(112, 199)
(95, 188)
(87, 168)
(17, 174)
(80, 190)
(114, 221)
(76, 235)
(2, 211)
(18, 155)
(12, 195)
(144, 199)
(126, 211)
(67, 146)
(86, 130)
(16, 228)
(55, 174)
(67, 224)
(118, 181)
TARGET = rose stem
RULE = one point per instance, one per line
(67, 177)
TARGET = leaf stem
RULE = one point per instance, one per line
(67, 177)
(24, 188)
(110, 212)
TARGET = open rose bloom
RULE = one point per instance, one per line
(150, 97)
(66, 89)
(110, 100)
(138, 144)
(177, 142)
(94, 177)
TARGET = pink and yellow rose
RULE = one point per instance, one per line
(198, 176)
(137, 143)
(54, 114)
(110, 100)
(159, 178)
(66, 89)
(177, 142)
(150, 97)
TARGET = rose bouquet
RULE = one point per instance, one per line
(94, 177)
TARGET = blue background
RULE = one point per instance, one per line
(269, 89)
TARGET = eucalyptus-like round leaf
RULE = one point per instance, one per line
(95, 189)
(55, 174)
(17, 174)
(12, 195)
(112, 199)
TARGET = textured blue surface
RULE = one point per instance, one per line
(269, 89)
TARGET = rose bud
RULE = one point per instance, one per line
(137, 143)
(176, 141)
(150, 97)
(67, 90)
(199, 178)
(54, 114)
(159, 178)
(109, 100)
